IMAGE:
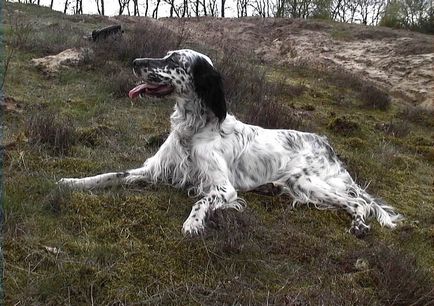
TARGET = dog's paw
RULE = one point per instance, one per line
(359, 229)
(193, 226)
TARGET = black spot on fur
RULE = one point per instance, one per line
(209, 87)
(122, 174)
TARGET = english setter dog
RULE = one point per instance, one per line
(215, 155)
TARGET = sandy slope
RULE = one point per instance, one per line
(400, 61)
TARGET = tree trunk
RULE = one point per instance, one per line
(97, 7)
(155, 12)
(223, 8)
(66, 6)
(136, 7)
(146, 8)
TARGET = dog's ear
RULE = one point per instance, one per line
(209, 87)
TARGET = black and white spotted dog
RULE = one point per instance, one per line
(218, 155)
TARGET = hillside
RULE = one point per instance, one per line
(124, 246)
(400, 61)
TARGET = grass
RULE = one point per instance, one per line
(125, 246)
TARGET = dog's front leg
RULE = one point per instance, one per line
(215, 187)
(155, 169)
(106, 179)
(220, 196)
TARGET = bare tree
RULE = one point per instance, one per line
(136, 7)
(155, 12)
(146, 6)
(185, 11)
(213, 8)
(65, 9)
(195, 8)
(261, 8)
(242, 8)
(280, 9)
(203, 3)
(79, 7)
(100, 8)
(222, 10)
(173, 8)
(122, 5)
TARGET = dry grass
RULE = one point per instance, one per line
(51, 131)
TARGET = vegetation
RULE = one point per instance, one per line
(125, 246)
(416, 15)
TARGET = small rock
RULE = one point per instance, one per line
(52, 250)
(361, 264)
(325, 49)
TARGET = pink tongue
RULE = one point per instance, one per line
(139, 89)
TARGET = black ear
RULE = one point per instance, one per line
(209, 87)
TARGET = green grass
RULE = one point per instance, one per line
(125, 245)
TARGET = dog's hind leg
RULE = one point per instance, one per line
(340, 192)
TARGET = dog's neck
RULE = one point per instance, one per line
(189, 117)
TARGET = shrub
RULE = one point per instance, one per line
(231, 231)
(343, 126)
(398, 278)
(256, 99)
(120, 82)
(243, 82)
(374, 97)
(395, 128)
(146, 39)
(417, 115)
(55, 133)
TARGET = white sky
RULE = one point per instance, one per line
(111, 7)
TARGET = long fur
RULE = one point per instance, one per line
(216, 155)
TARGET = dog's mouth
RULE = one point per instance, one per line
(151, 89)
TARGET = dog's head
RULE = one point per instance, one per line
(183, 73)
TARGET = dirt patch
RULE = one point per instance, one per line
(399, 61)
(51, 64)
(10, 105)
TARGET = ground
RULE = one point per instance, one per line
(125, 246)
